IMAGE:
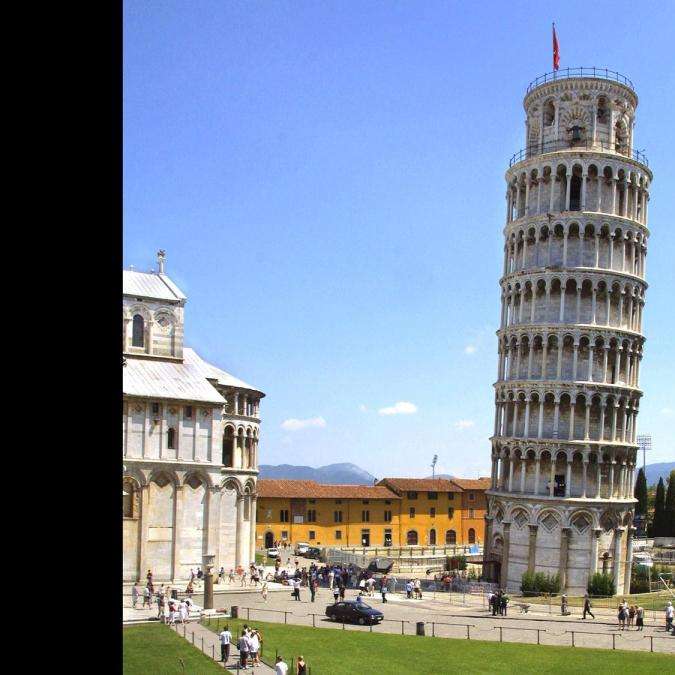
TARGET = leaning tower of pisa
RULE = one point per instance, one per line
(570, 339)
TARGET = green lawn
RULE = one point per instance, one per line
(653, 601)
(155, 648)
(349, 652)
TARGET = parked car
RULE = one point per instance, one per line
(301, 548)
(313, 552)
(353, 612)
(272, 552)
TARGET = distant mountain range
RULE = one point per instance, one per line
(655, 471)
(344, 473)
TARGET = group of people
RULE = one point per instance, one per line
(413, 589)
(170, 609)
(498, 602)
(250, 647)
(629, 615)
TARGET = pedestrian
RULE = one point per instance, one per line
(280, 668)
(134, 595)
(160, 605)
(225, 638)
(418, 589)
(254, 641)
(296, 589)
(313, 583)
(587, 607)
(146, 597)
(342, 591)
(640, 617)
(331, 577)
(243, 578)
(383, 590)
(669, 615)
(371, 587)
(189, 589)
(622, 615)
(230, 577)
(263, 592)
(221, 575)
(408, 589)
(184, 613)
(631, 616)
(504, 601)
(301, 666)
(243, 646)
(336, 593)
(563, 605)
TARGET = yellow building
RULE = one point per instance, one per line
(394, 512)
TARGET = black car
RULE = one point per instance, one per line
(353, 612)
(313, 552)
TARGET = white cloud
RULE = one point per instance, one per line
(399, 408)
(667, 412)
(470, 349)
(295, 424)
(363, 408)
(464, 424)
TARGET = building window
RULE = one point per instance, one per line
(451, 537)
(432, 537)
(312, 535)
(451, 512)
(411, 538)
(171, 438)
(188, 412)
(155, 408)
(387, 501)
(337, 516)
(387, 516)
(432, 512)
(433, 495)
(228, 447)
(412, 495)
(472, 496)
(451, 495)
(472, 513)
(387, 538)
(284, 534)
(311, 515)
(338, 501)
(338, 534)
(412, 511)
(283, 516)
(472, 535)
(365, 516)
(138, 331)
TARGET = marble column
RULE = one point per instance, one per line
(532, 549)
(564, 548)
(595, 538)
(252, 521)
(629, 560)
(505, 555)
(618, 535)
(143, 525)
(239, 543)
(177, 531)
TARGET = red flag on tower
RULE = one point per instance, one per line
(556, 50)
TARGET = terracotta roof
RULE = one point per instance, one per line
(473, 484)
(302, 489)
(421, 484)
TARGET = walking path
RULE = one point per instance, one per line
(207, 641)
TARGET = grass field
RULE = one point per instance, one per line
(347, 653)
(653, 601)
(155, 648)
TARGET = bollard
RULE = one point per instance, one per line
(420, 628)
(248, 614)
(538, 636)
(313, 620)
(371, 627)
(213, 652)
(183, 629)
(202, 642)
(500, 634)
(402, 630)
(572, 638)
(468, 634)
(285, 617)
(433, 629)
(193, 637)
(651, 643)
(343, 625)
(613, 640)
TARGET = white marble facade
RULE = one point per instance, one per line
(190, 443)
(570, 343)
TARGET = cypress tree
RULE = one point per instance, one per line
(669, 518)
(641, 493)
(659, 510)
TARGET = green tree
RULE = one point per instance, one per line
(660, 510)
(669, 511)
(641, 493)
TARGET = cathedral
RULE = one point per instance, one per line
(190, 443)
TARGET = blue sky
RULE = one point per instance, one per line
(327, 179)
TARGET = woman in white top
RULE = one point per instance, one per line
(183, 612)
(264, 591)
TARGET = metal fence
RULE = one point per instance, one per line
(581, 71)
(468, 631)
(536, 149)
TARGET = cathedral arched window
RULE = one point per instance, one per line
(228, 447)
(472, 535)
(411, 538)
(138, 331)
(171, 438)
(451, 537)
(549, 113)
(129, 498)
